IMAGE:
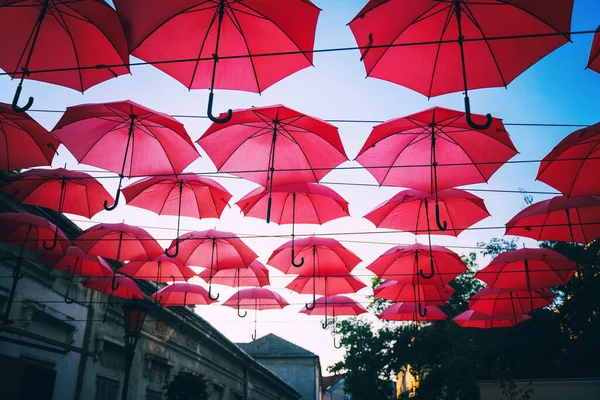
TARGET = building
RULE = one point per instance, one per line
(541, 389)
(334, 388)
(296, 366)
(54, 350)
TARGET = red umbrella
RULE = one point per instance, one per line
(120, 242)
(504, 303)
(273, 146)
(189, 195)
(572, 166)
(403, 263)
(228, 33)
(125, 138)
(297, 203)
(326, 285)
(75, 261)
(162, 269)
(256, 299)
(340, 306)
(126, 287)
(59, 189)
(527, 269)
(214, 250)
(64, 39)
(422, 295)
(182, 295)
(474, 319)
(23, 142)
(433, 150)
(408, 312)
(414, 42)
(594, 61)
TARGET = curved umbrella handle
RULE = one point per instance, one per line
(337, 346)
(210, 294)
(241, 315)
(176, 250)
(67, 299)
(442, 226)
(54, 241)
(253, 336)
(470, 121)
(429, 275)
(27, 106)
(114, 285)
(325, 324)
(422, 310)
(298, 265)
(117, 197)
(210, 115)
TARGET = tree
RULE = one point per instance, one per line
(187, 385)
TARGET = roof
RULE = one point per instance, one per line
(330, 381)
(272, 346)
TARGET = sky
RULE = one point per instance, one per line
(558, 89)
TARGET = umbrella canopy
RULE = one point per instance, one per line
(339, 306)
(31, 232)
(61, 37)
(256, 299)
(256, 275)
(572, 166)
(182, 294)
(125, 287)
(403, 263)
(428, 295)
(410, 211)
(224, 33)
(594, 60)
(438, 66)
(474, 319)
(527, 269)
(126, 138)
(563, 219)
(325, 285)
(500, 302)
(162, 269)
(23, 142)
(409, 312)
(75, 261)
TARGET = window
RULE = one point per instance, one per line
(107, 389)
(153, 395)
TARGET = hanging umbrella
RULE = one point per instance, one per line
(225, 33)
(58, 189)
(414, 42)
(23, 142)
(572, 166)
(339, 306)
(214, 250)
(326, 285)
(119, 242)
(125, 138)
(422, 295)
(256, 299)
(161, 269)
(434, 150)
(189, 195)
(76, 262)
(408, 312)
(274, 146)
(474, 319)
(324, 257)
(297, 203)
(403, 263)
(64, 39)
(594, 60)
(126, 287)
(27, 231)
(505, 303)
(182, 295)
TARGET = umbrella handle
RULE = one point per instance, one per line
(470, 121)
(310, 306)
(54, 241)
(241, 315)
(117, 197)
(253, 336)
(114, 285)
(176, 250)
(67, 299)
(210, 115)
(210, 294)
(325, 324)
(429, 275)
(27, 106)
(336, 345)
(363, 55)
(422, 310)
(442, 226)
(298, 265)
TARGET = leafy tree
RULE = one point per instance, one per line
(187, 385)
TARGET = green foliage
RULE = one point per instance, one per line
(511, 392)
(187, 385)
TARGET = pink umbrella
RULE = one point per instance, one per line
(182, 295)
(326, 285)
(161, 269)
(506, 303)
(475, 319)
(408, 312)
(422, 295)
(126, 287)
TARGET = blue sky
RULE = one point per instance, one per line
(556, 90)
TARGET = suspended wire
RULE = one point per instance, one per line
(303, 52)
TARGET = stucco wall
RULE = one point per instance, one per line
(299, 373)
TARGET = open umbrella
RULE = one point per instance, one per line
(414, 42)
(475, 319)
(125, 138)
(422, 295)
(256, 299)
(214, 250)
(188, 194)
(326, 285)
(409, 312)
(161, 269)
(274, 145)
(339, 306)
(27, 231)
(594, 60)
(506, 303)
(126, 287)
(434, 150)
(76, 262)
(59, 38)
(296, 203)
(182, 295)
(572, 166)
(58, 189)
(226, 33)
(23, 142)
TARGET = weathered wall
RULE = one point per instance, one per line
(299, 373)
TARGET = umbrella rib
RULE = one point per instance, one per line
(439, 47)
(66, 28)
(173, 186)
(411, 143)
(212, 21)
(291, 138)
(534, 16)
(450, 139)
(581, 226)
(583, 160)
